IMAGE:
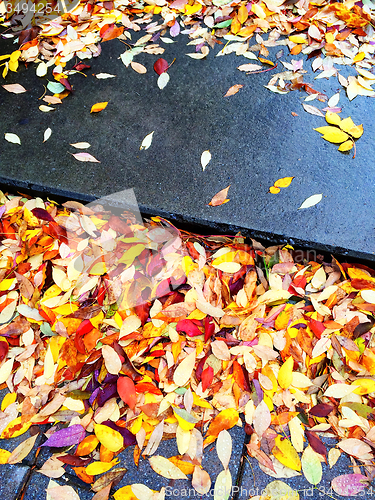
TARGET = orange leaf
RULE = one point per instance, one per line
(242, 14)
(220, 198)
(126, 391)
(235, 26)
(233, 90)
(82, 474)
(99, 106)
(87, 446)
(226, 419)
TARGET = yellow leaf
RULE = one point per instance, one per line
(8, 399)
(286, 454)
(242, 14)
(108, 437)
(185, 467)
(297, 39)
(335, 135)
(165, 468)
(258, 11)
(100, 467)
(278, 490)
(285, 375)
(235, 26)
(346, 146)
(274, 190)
(325, 129)
(365, 386)
(356, 131)
(333, 118)
(359, 57)
(99, 106)
(4, 455)
(15, 428)
(125, 493)
(13, 65)
(283, 182)
(347, 124)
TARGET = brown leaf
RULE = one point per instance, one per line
(139, 68)
(22, 450)
(114, 476)
(220, 198)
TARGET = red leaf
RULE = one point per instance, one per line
(207, 377)
(160, 66)
(209, 328)
(315, 443)
(126, 391)
(317, 327)
(188, 327)
(80, 66)
(4, 348)
(42, 214)
(321, 410)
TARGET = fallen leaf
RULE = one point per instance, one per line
(233, 90)
(205, 159)
(349, 485)
(15, 88)
(283, 182)
(146, 143)
(12, 138)
(81, 145)
(163, 80)
(104, 76)
(47, 134)
(313, 110)
(220, 198)
(46, 109)
(22, 450)
(311, 466)
(85, 157)
(165, 468)
(160, 66)
(99, 106)
(311, 201)
(250, 67)
(138, 68)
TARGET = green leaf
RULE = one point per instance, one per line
(311, 466)
(224, 24)
(55, 87)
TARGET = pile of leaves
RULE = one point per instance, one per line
(125, 334)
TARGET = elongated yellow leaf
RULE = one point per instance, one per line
(336, 136)
(108, 437)
(326, 129)
(285, 376)
(283, 182)
(184, 370)
(100, 467)
(298, 39)
(286, 454)
(332, 118)
(346, 146)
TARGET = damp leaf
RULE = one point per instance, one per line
(311, 201)
(220, 198)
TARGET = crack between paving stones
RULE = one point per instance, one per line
(241, 469)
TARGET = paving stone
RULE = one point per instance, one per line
(254, 480)
(12, 480)
(252, 136)
(37, 485)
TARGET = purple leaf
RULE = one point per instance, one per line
(175, 29)
(349, 485)
(129, 438)
(42, 214)
(66, 437)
